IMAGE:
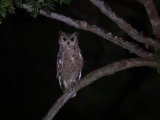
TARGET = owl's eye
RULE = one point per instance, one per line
(72, 39)
(64, 39)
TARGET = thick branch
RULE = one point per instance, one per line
(95, 75)
(106, 10)
(153, 15)
(98, 31)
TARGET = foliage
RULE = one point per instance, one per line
(65, 1)
(8, 6)
(157, 55)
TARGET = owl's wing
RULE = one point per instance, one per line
(59, 67)
(81, 62)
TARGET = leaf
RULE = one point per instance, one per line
(157, 53)
(3, 14)
(41, 1)
(65, 1)
(158, 70)
(146, 46)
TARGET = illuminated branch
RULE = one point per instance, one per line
(96, 75)
(153, 15)
(106, 10)
(132, 47)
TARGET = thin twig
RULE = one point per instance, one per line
(106, 10)
(97, 74)
(132, 47)
(153, 15)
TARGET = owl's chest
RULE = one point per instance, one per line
(69, 56)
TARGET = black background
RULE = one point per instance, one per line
(29, 48)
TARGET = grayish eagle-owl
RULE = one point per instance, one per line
(69, 60)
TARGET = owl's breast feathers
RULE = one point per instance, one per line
(72, 64)
(72, 58)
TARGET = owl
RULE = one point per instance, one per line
(69, 61)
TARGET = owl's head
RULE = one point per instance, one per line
(68, 40)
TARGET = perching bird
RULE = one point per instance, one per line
(69, 61)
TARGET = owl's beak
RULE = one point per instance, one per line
(68, 42)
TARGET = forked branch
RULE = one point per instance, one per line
(132, 47)
(106, 10)
(153, 15)
(145, 60)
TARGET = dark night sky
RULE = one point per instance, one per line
(29, 48)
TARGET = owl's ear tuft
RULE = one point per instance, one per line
(75, 34)
(61, 33)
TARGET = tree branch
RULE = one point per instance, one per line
(97, 74)
(109, 69)
(100, 32)
(153, 15)
(134, 48)
(106, 10)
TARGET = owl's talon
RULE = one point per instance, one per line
(70, 88)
